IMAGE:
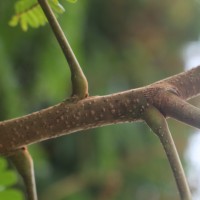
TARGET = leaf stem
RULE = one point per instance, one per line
(158, 124)
(79, 81)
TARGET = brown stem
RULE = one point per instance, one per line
(68, 117)
(186, 84)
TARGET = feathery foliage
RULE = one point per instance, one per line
(8, 178)
(29, 13)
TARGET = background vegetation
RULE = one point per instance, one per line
(121, 45)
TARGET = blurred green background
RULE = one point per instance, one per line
(121, 44)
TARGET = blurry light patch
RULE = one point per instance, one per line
(191, 57)
(193, 162)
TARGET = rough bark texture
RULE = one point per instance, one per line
(71, 116)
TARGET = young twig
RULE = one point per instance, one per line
(158, 124)
(79, 81)
(23, 162)
(175, 107)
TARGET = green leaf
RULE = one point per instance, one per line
(14, 21)
(57, 7)
(32, 20)
(42, 20)
(11, 194)
(72, 1)
(8, 178)
(28, 13)
(23, 23)
(3, 164)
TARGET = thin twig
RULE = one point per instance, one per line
(158, 124)
(173, 106)
(23, 162)
(79, 81)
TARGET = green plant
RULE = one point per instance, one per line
(8, 178)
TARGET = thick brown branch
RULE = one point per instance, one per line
(68, 117)
(185, 84)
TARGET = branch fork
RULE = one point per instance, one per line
(152, 104)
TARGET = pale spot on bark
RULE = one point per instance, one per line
(78, 114)
(14, 129)
(92, 112)
(51, 127)
(128, 101)
(77, 118)
(2, 124)
(113, 111)
(103, 109)
(125, 104)
(111, 105)
(66, 107)
(101, 115)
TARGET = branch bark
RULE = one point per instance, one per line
(68, 116)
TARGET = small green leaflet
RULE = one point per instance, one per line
(8, 178)
(11, 194)
(28, 13)
(72, 1)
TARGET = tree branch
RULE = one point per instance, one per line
(68, 117)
